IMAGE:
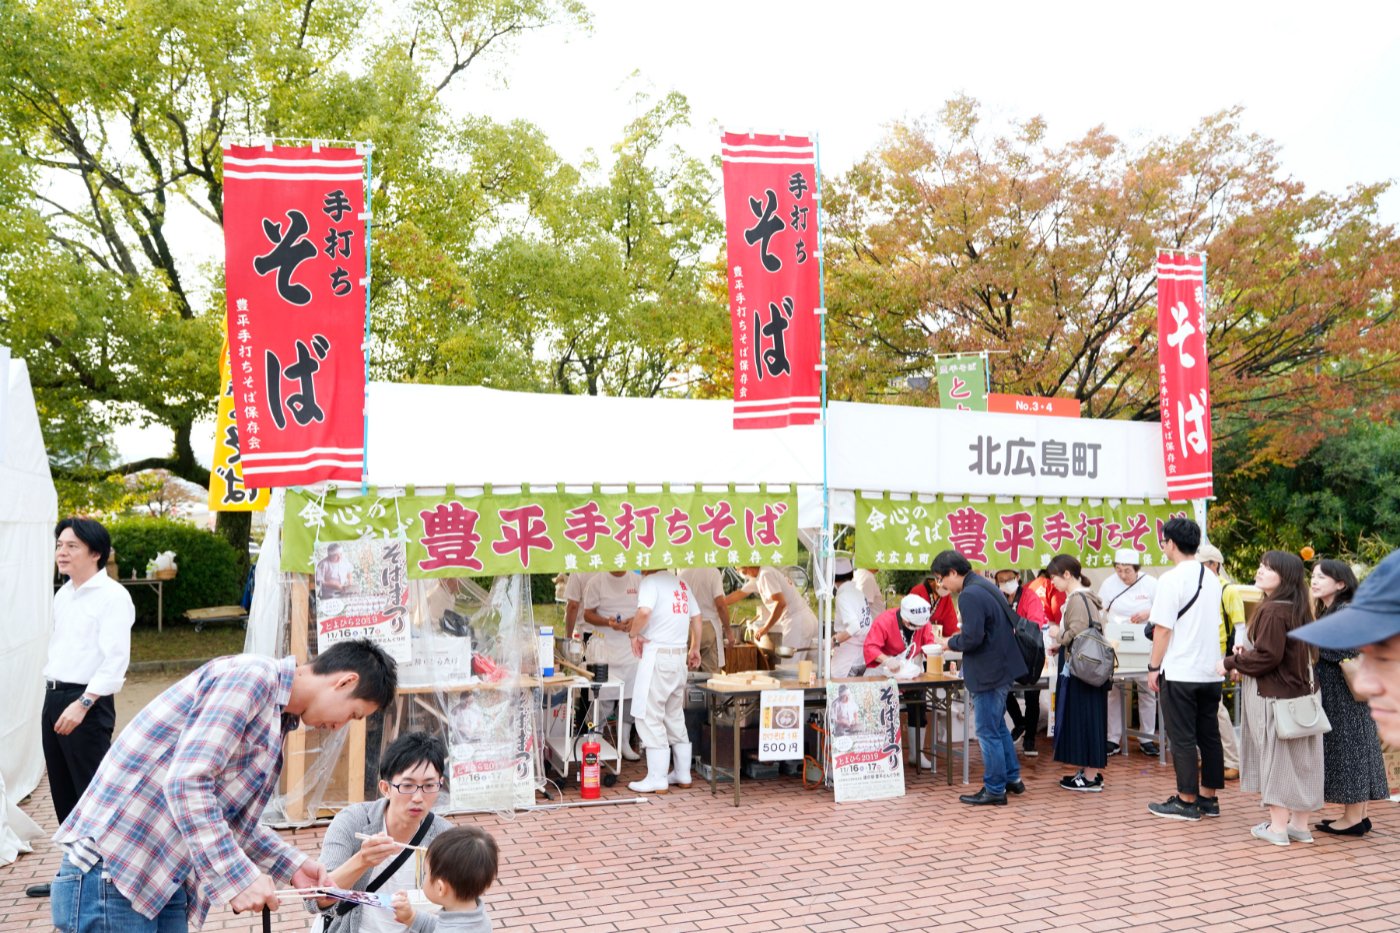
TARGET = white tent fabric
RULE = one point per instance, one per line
(28, 511)
(649, 441)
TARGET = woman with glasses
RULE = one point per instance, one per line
(410, 780)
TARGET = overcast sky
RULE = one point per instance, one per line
(1322, 80)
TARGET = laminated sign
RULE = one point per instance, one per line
(295, 274)
(780, 725)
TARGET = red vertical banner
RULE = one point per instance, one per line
(770, 219)
(294, 246)
(1184, 374)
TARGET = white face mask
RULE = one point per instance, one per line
(1009, 587)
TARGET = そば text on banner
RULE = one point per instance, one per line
(294, 234)
(1183, 373)
(771, 217)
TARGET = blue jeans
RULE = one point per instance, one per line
(88, 902)
(998, 750)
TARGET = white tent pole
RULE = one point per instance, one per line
(824, 562)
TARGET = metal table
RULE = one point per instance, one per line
(732, 706)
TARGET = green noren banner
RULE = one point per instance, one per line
(551, 532)
(906, 534)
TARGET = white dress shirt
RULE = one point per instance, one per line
(91, 634)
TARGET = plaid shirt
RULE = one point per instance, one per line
(178, 797)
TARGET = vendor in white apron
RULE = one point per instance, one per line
(609, 603)
(1127, 597)
(781, 608)
(666, 636)
(851, 625)
(706, 585)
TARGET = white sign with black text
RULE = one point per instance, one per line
(780, 725)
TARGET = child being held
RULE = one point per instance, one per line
(459, 866)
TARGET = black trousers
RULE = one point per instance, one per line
(1190, 711)
(72, 759)
(1029, 721)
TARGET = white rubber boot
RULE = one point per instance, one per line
(655, 781)
(681, 776)
(624, 739)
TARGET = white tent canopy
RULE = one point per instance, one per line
(649, 441)
(28, 511)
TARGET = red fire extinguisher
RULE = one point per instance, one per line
(589, 772)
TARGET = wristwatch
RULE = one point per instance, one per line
(1154, 670)
(85, 701)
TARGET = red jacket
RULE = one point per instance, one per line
(1051, 599)
(1031, 607)
(885, 637)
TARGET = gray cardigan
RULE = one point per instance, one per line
(340, 844)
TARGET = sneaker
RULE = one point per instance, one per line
(1078, 781)
(1262, 831)
(1209, 806)
(1299, 835)
(1113, 748)
(1176, 809)
(1150, 749)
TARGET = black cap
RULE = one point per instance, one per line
(1373, 615)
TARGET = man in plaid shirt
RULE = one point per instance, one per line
(170, 821)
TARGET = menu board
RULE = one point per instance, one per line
(780, 725)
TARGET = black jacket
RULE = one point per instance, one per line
(991, 659)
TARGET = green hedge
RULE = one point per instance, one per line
(208, 565)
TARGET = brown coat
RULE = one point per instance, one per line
(1077, 611)
(1279, 664)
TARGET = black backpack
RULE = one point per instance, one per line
(1029, 641)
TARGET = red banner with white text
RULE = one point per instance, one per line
(770, 218)
(1184, 374)
(294, 241)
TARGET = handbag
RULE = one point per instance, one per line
(1301, 717)
(1090, 657)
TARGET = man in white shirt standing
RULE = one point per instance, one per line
(666, 636)
(1185, 668)
(609, 603)
(869, 584)
(782, 608)
(1127, 598)
(88, 657)
(706, 585)
(853, 621)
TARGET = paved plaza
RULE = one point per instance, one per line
(791, 859)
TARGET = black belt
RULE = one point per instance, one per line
(61, 685)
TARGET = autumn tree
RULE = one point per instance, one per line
(112, 119)
(951, 238)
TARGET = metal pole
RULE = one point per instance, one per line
(824, 564)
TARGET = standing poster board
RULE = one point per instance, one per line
(362, 592)
(780, 725)
(865, 740)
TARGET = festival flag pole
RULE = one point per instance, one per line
(369, 224)
(826, 566)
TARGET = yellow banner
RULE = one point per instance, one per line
(226, 490)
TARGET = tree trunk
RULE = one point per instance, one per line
(237, 528)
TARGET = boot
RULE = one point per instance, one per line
(681, 776)
(655, 781)
(624, 739)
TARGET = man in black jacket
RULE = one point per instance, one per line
(991, 663)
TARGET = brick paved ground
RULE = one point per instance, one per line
(791, 859)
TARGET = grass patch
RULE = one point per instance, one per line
(181, 642)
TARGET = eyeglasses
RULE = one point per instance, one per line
(408, 788)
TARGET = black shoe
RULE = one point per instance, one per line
(1175, 809)
(1150, 749)
(1113, 748)
(37, 890)
(1359, 829)
(1209, 806)
(984, 798)
(1078, 781)
(1016, 787)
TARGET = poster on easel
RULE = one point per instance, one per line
(362, 592)
(780, 725)
(866, 752)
